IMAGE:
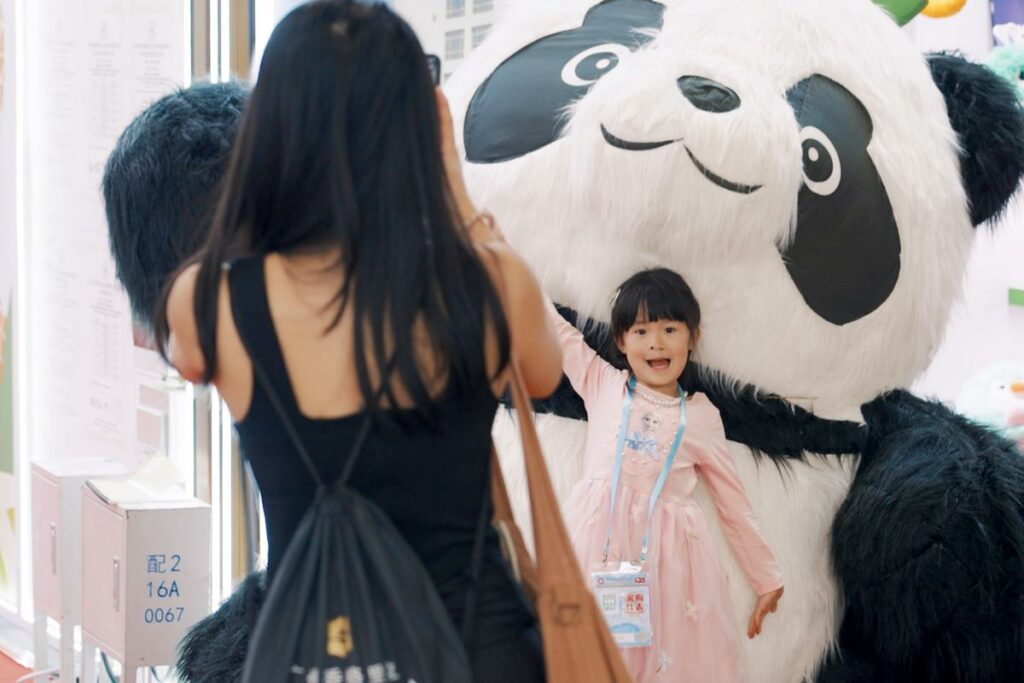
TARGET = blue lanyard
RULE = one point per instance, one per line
(627, 409)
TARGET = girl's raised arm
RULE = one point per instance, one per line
(586, 370)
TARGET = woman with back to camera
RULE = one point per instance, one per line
(354, 247)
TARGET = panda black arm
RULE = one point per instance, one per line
(774, 427)
(928, 547)
(767, 424)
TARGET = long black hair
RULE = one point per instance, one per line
(340, 148)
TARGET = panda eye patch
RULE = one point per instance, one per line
(822, 168)
(589, 65)
(844, 257)
(520, 107)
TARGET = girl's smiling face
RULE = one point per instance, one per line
(657, 351)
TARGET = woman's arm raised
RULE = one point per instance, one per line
(534, 345)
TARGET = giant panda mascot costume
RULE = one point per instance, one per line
(819, 183)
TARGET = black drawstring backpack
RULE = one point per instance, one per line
(351, 601)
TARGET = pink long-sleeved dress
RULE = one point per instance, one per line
(694, 627)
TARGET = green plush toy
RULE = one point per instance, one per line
(902, 10)
(1008, 62)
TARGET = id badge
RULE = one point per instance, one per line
(624, 596)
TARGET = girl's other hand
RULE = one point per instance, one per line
(769, 602)
(453, 162)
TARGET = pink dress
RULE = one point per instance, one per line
(694, 626)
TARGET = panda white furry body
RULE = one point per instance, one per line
(587, 214)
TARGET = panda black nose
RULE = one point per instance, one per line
(708, 95)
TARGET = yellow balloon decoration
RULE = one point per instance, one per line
(937, 9)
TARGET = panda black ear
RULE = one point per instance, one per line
(986, 115)
(160, 182)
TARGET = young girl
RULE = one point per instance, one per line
(633, 518)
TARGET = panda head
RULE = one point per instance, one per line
(160, 183)
(814, 178)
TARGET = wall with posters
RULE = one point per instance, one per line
(87, 67)
(9, 314)
(91, 66)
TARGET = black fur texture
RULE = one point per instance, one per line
(214, 650)
(774, 427)
(767, 424)
(929, 550)
(159, 185)
(987, 116)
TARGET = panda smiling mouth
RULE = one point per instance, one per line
(629, 146)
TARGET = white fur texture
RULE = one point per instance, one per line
(587, 215)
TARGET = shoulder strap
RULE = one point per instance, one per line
(250, 305)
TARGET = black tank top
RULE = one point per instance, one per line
(429, 476)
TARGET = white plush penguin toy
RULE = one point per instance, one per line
(818, 182)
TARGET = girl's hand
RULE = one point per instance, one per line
(453, 163)
(769, 602)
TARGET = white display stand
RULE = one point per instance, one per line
(146, 569)
(57, 550)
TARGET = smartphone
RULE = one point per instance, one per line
(434, 62)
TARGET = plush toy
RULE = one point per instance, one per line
(994, 396)
(1008, 61)
(817, 181)
(1015, 422)
(159, 185)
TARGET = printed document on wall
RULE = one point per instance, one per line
(92, 66)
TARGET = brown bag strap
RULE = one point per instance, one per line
(554, 559)
(523, 567)
(577, 643)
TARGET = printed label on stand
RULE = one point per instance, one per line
(162, 589)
